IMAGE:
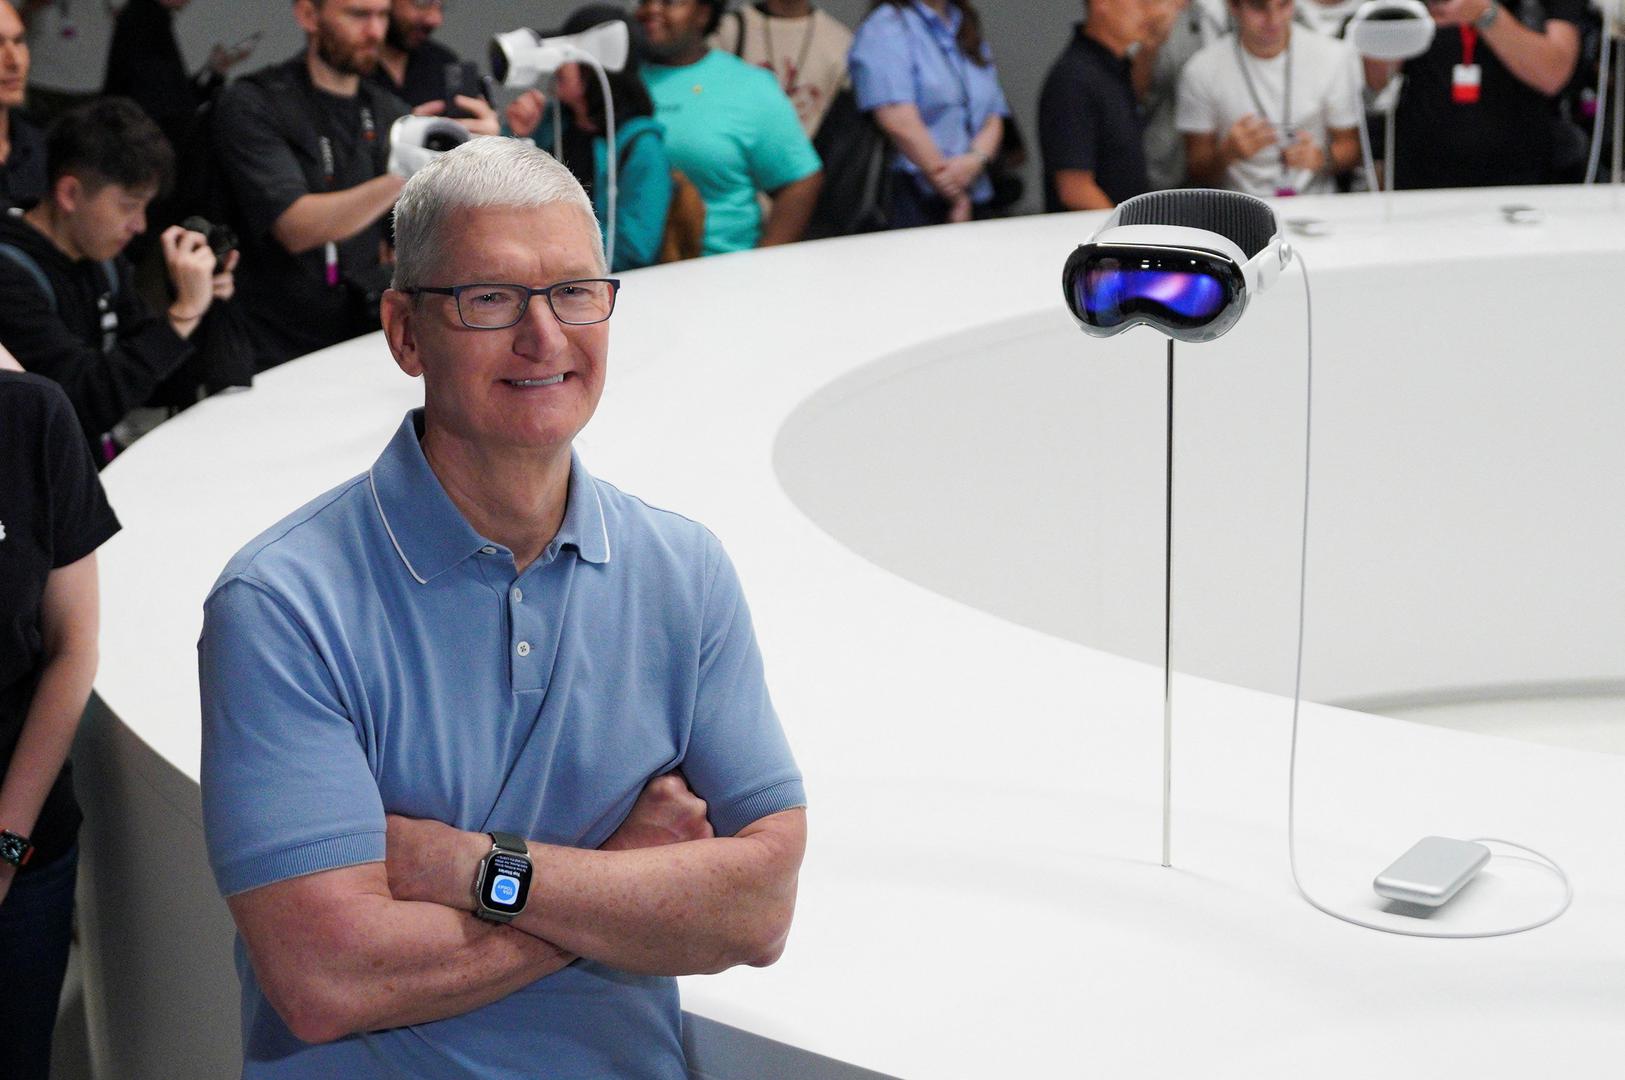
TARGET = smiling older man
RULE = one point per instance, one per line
(488, 754)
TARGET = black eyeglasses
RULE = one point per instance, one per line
(486, 306)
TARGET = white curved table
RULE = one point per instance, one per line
(945, 506)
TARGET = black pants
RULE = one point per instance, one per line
(36, 927)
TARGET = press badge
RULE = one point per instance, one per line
(1465, 80)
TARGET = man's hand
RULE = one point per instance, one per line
(960, 210)
(1247, 137)
(1305, 153)
(666, 812)
(525, 113)
(955, 176)
(190, 263)
(481, 118)
(417, 854)
(224, 284)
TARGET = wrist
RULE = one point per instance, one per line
(176, 315)
(1487, 17)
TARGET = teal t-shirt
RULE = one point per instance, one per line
(732, 131)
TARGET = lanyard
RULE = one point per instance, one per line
(1469, 43)
(1286, 89)
(792, 80)
(953, 68)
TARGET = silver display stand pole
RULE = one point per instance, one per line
(1168, 631)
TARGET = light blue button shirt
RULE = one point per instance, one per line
(371, 653)
(911, 55)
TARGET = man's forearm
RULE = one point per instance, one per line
(336, 961)
(680, 909)
(1204, 159)
(1344, 150)
(334, 216)
(793, 207)
(1541, 60)
(47, 736)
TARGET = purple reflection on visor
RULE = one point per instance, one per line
(1195, 296)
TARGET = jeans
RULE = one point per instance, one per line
(36, 925)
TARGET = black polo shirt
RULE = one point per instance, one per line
(1508, 137)
(1089, 120)
(52, 513)
(22, 174)
(433, 73)
(268, 130)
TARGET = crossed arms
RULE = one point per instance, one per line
(382, 945)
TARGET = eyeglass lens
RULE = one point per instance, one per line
(577, 303)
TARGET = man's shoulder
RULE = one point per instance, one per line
(32, 402)
(637, 526)
(305, 546)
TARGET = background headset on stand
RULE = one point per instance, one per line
(521, 58)
(1188, 263)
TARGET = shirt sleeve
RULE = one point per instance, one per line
(1343, 110)
(103, 387)
(1196, 112)
(738, 759)
(259, 165)
(880, 62)
(1066, 124)
(287, 789)
(1569, 11)
(780, 153)
(81, 519)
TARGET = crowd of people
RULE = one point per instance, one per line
(171, 233)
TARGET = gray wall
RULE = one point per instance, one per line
(1026, 36)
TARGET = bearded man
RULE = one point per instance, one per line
(303, 150)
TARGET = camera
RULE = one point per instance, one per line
(222, 240)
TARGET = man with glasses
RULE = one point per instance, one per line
(488, 757)
(1270, 109)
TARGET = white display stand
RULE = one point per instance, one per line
(937, 498)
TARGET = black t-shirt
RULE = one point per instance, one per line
(1508, 137)
(52, 513)
(433, 73)
(95, 338)
(22, 174)
(1089, 120)
(268, 131)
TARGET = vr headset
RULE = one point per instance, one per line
(1185, 263)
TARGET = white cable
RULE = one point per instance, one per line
(1297, 701)
(1603, 68)
(1370, 161)
(612, 152)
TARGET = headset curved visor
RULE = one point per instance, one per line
(1189, 295)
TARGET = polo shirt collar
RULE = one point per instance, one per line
(940, 23)
(431, 535)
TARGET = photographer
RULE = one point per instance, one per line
(69, 308)
(303, 147)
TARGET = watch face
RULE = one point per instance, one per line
(13, 848)
(505, 883)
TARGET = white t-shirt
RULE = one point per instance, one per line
(67, 45)
(1213, 95)
(808, 56)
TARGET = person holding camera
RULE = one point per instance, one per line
(303, 151)
(69, 308)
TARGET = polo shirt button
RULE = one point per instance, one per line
(524, 648)
(488, 550)
(518, 595)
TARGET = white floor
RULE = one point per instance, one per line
(1580, 722)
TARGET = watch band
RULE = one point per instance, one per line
(509, 842)
(1487, 20)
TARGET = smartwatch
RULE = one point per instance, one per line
(14, 849)
(503, 883)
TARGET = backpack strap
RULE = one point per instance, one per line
(625, 153)
(23, 259)
(739, 41)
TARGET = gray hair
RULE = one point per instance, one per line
(482, 172)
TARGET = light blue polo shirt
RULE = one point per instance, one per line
(911, 56)
(371, 653)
